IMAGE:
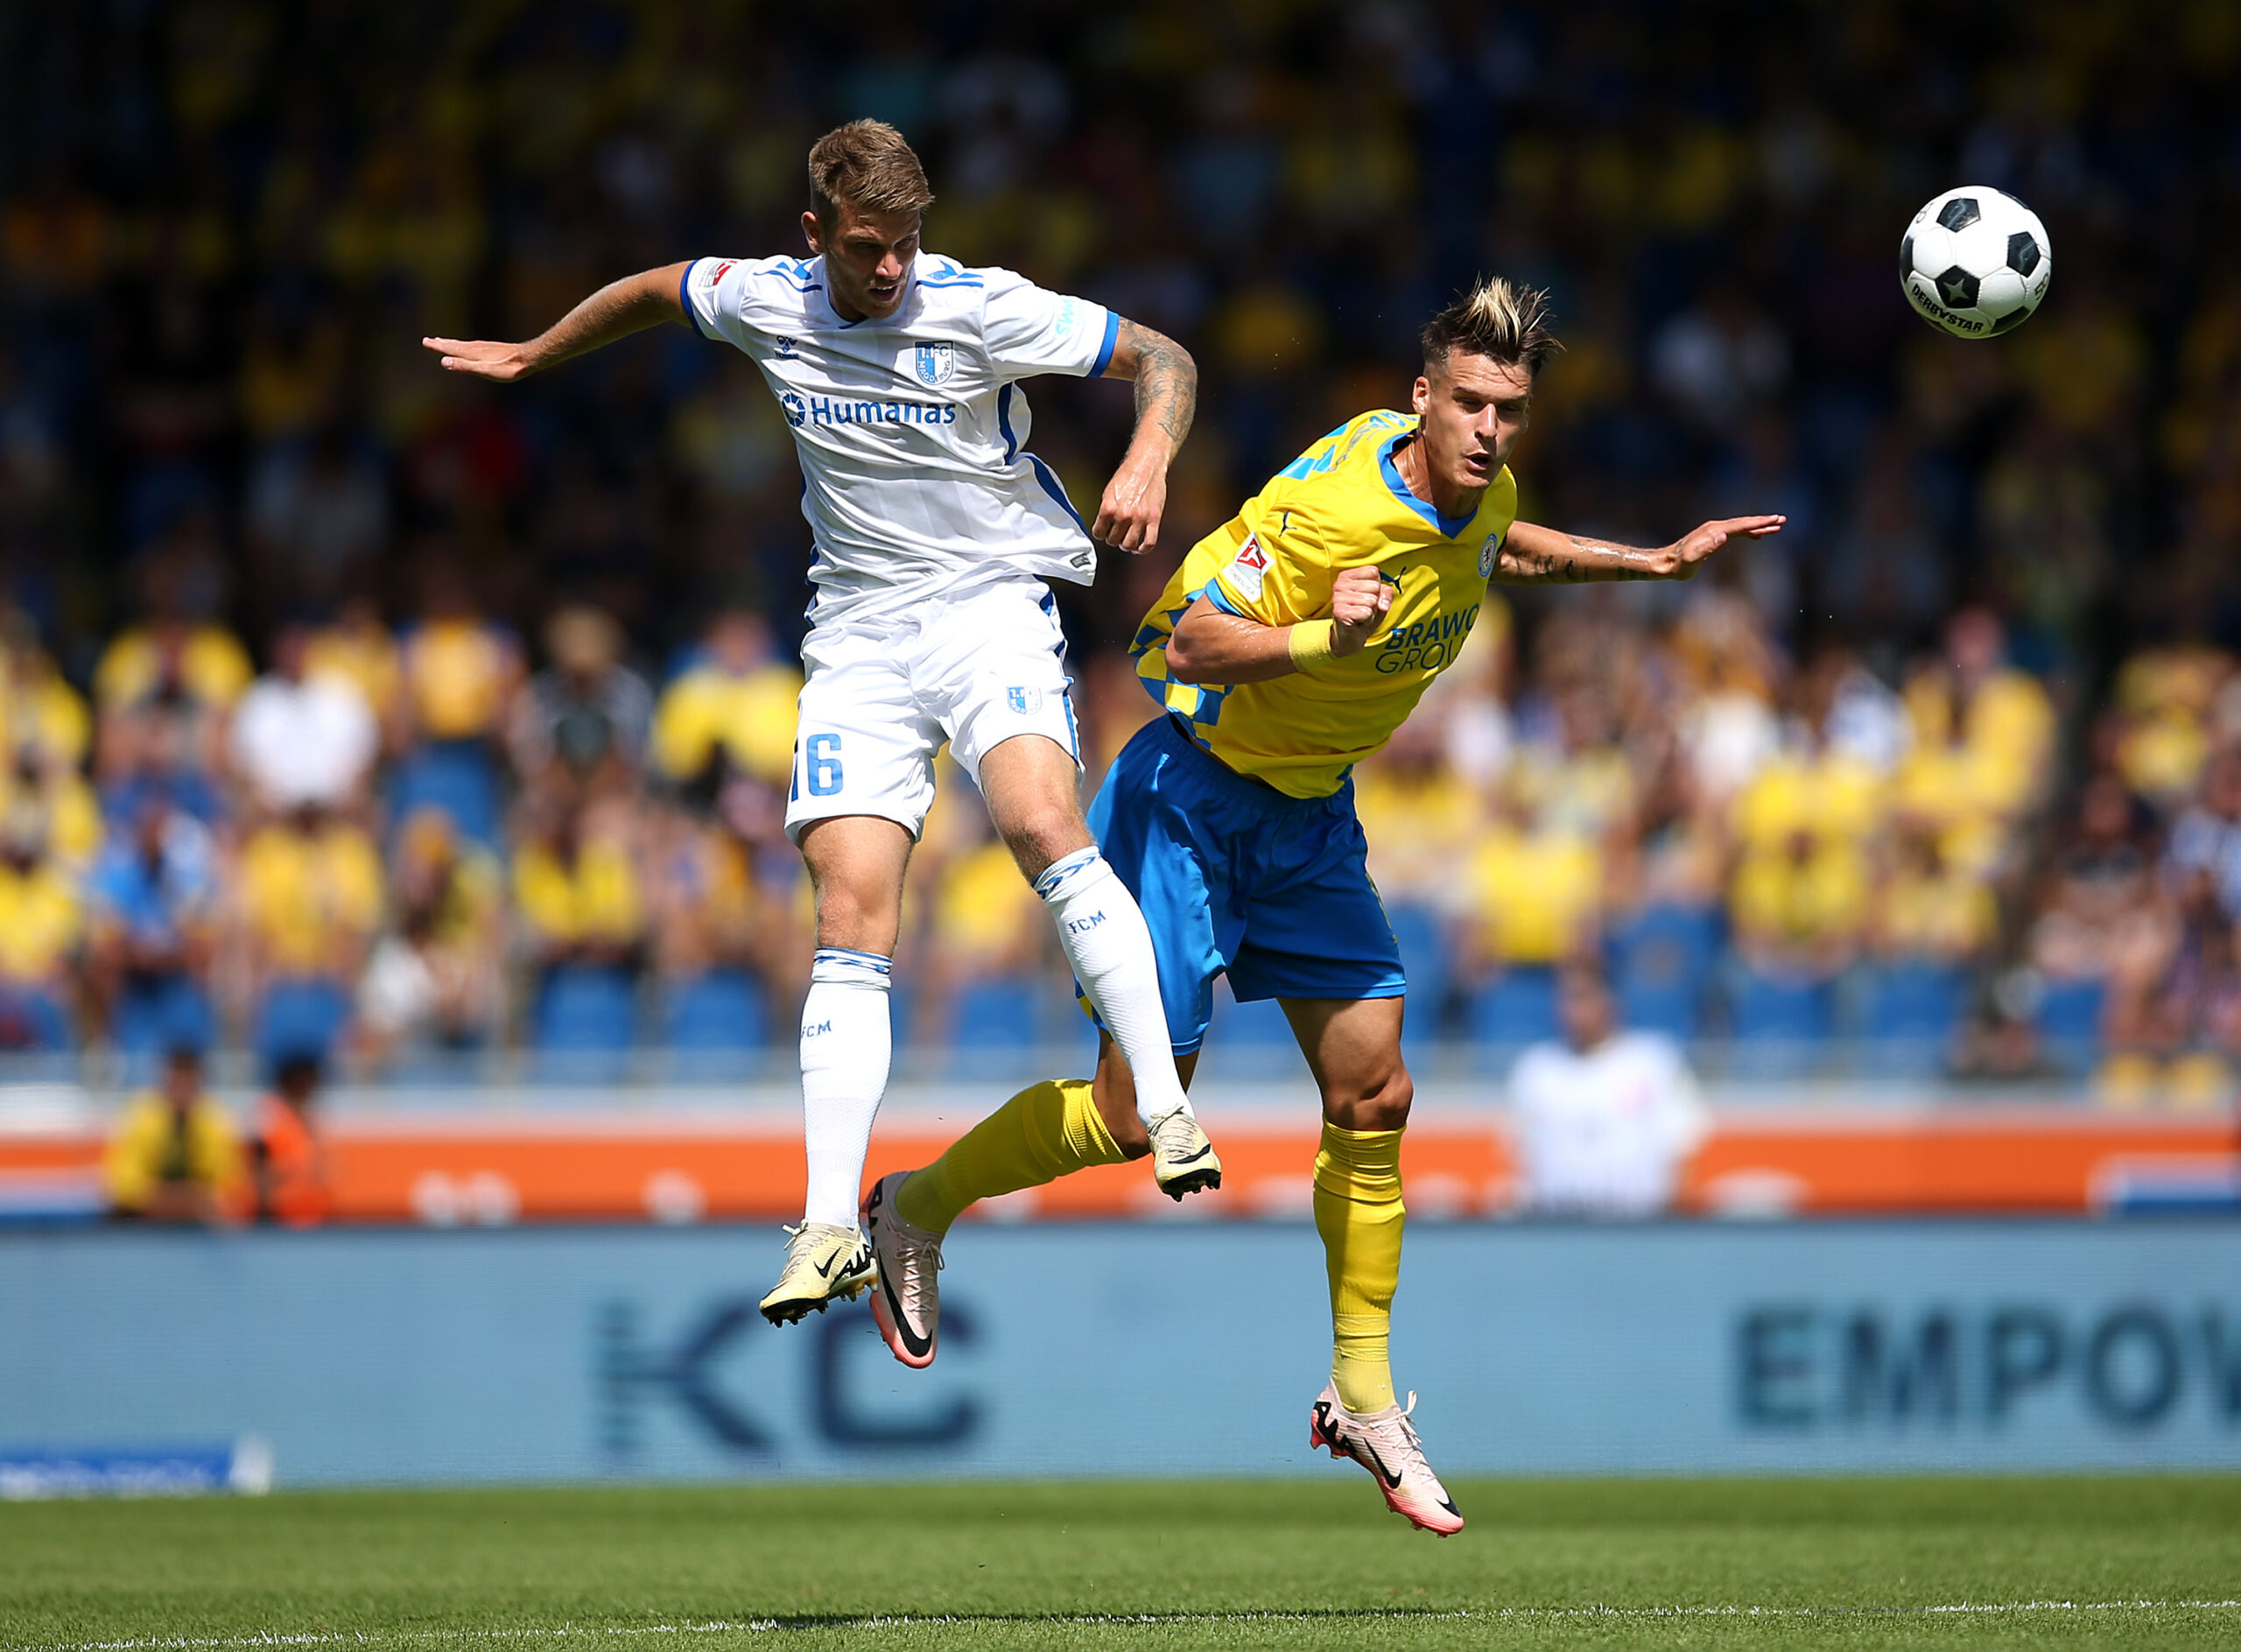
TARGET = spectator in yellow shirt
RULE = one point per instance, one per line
(459, 669)
(310, 893)
(1581, 783)
(175, 1156)
(458, 674)
(164, 691)
(169, 656)
(1535, 894)
(58, 796)
(577, 892)
(1930, 910)
(42, 928)
(37, 709)
(1811, 785)
(1421, 818)
(359, 650)
(731, 711)
(711, 910)
(1800, 910)
(1984, 734)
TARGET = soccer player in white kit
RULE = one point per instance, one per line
(936, 531)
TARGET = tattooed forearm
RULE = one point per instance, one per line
(1588, 562)
(1167, 381)
(1532, 555)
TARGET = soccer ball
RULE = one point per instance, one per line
(1976, 261)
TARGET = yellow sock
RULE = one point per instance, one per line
(1359, 1213)
(1046, 1131)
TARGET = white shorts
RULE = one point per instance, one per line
(881, 694)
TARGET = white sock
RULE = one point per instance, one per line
(846, 1043)
(1103, 932)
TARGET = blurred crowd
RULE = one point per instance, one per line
(359, 709)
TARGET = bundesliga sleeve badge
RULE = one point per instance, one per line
(1247, 569)
(1486, 555)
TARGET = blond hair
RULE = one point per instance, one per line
(1498, 318)
(868, 164)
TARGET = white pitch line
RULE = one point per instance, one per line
(765, 1625)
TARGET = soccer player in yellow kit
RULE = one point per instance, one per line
(1289, 646)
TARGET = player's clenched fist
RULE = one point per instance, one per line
(1128, 516)
(1360, 598)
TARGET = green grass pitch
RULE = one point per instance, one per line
(1319, 1563)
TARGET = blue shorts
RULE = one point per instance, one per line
(1235, 878)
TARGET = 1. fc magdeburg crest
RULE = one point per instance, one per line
(936, 362)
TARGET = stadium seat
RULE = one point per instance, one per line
(1001, 1012)
(156, 1013)
(1782, 1025)
(298, 1018)
(2068, 1020)
(1517, 1009)
(715, 1025)
(1249, 1041)
(1659, 962)
(1421, 936)
(584, 1025)
(1262, 1022)
(32, 1021)
(455, 775)
(1915, 1009)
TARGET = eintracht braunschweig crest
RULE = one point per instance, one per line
(936, 364)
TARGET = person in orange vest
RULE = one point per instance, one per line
(290, 1167)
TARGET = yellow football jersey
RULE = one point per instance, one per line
(1341, 504)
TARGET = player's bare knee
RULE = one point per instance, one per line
(1379, 1103)
(853, 915)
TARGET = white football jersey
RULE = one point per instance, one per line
(912, 431)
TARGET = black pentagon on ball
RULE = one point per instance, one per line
(2023, 253)
(1959, 213)
(1957, 289)
(1905, 257)
(2013, 317)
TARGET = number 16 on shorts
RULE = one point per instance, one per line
(818, 769)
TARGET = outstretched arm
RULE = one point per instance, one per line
(1167, 397)
(615, 311)
(1534, 555)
